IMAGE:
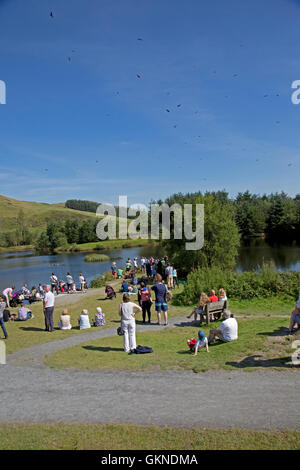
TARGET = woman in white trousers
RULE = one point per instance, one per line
(127, 311)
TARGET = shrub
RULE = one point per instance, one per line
(101, 280)
(266, 282)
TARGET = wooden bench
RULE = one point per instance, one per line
(215, 309)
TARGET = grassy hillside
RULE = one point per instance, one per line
(36, 214)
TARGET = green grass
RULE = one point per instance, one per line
(25, 334)
(107, 245)
(129, 437)
(261, 343)
(36, 214)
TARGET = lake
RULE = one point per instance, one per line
(24, 267)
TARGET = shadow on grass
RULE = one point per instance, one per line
(31, 328)
(102, 349)
(282, 331)
(253, 361)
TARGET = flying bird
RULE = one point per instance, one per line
(51, 14)
(167, 110)
(178, 106)
(265, 96)
(235, 75)
(139, 39)
(69, 59)
(138, 76)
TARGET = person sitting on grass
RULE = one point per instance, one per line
(124, 287)
(227, 331)
(64, 323)
(24, 313)
(201, 342)
(99, 318)
(295, 317)
(199, 310)
(83, 320)
(222, 294)
(133, 289)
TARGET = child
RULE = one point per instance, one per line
(201, 342)
(99, 318)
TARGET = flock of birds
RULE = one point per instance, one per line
(139, 76)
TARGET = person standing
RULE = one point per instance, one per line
(81, 282)
(2, 308)
(160, 298)
(145, 301)
(70, 282)
(169, 274)
(127, 314)
(175, 278)
(48, 304)
(54, 283)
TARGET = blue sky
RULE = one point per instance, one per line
(216, 59)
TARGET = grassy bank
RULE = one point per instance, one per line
(129, 437)
(24, 334)
(262, 342)
(105, 245)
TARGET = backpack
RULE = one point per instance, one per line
(143, 349)
(168, 295)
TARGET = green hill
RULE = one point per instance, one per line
(34, 215)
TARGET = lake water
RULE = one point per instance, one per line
(20, 268)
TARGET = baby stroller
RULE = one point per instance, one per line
(17, 298)
(110, 293)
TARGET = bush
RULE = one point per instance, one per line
(101, 280)
(266, 282)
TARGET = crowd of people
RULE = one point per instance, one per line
(159, 272)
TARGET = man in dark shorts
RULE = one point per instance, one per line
(161, 304)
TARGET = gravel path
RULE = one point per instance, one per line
(263, 399)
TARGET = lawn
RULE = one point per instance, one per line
(25, 334)
(129, 437)
(262, 343)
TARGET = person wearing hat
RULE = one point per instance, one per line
(201, 342)
(227, 331)
(64, 323)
